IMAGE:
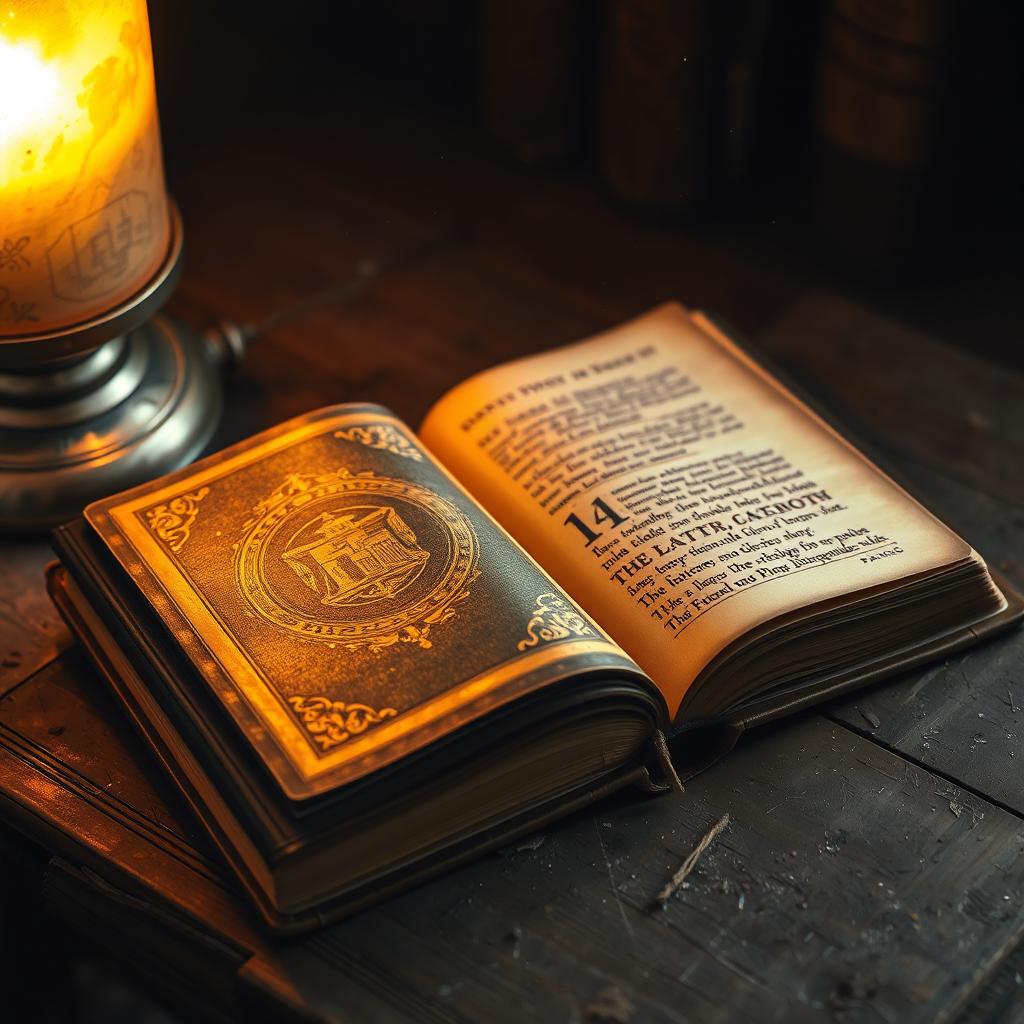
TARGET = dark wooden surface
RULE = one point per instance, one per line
(874, 867)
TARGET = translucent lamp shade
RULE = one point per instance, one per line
(84, 221)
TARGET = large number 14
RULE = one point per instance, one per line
(602, 513)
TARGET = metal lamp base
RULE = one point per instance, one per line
(135, 407)
(102, 405)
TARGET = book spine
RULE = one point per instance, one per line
(533, 76)
(679, 99)
(654, 145)
(881, 87)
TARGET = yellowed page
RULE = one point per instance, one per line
(676, 490)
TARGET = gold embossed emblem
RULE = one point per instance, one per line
(356, 560)
(359, 556)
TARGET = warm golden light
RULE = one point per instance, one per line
(83, 212)
(29, 89)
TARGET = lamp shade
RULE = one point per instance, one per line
(84, 220)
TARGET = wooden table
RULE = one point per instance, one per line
(874, 866)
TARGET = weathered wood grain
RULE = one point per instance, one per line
(1002, 999)
(31, 631)
(844, 888)
(66, 715)
(962, 717)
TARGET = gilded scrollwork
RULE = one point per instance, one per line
(172, 522)
(332, 722)
(553, 619)
(382, 436)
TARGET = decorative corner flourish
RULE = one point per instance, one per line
(553, 619)
(383, 436)
(172, 522)
(332, 722)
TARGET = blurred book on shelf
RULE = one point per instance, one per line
(883, 86)
(677, 99)
(535, 57)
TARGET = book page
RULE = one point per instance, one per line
(677, 491)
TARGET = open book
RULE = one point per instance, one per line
(365, 655)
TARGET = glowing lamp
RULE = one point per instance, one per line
(96, 392)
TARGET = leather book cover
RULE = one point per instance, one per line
(342, 597)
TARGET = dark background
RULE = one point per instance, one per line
(934, 242)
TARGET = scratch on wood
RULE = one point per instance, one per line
(876, 768)
(611, 883)
(870, 717)
(963, 675)
(533, 843)
(923, 682)
(730, 965)
(957, 806)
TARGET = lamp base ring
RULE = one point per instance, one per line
(48, 476)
